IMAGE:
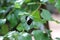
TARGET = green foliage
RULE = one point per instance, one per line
(57, 5)
(39, 35)
(12, 19)
(46, 15)
(17, 14)
(4, 29)
(36, 15)
(25, 36)
(23, 26)
(51, 1)
(18, 36)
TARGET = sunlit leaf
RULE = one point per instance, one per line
(36, 15)
(25, 36)
(11, 35)
(27, 1)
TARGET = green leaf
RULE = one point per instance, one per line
(27, 1)
(18, 36)
(20, 27)
(36, 15)
(46, 15)
(4, 29)
(35, 25)
(32, 6)
(12, 19)
(23, 26)
(19, 13)
(18, 3)
(39, 35)
(12, 35)
(57, 5)
(25, 36)
(51, 1)
(23, 20)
